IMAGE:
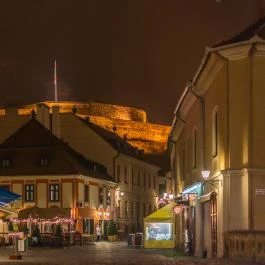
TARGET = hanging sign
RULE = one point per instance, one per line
(178, 209)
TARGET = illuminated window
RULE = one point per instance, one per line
(215, 134)
(54, 192)
(29, 193)
(159, 231)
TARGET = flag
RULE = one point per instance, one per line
(55, 83)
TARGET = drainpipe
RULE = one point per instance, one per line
(202, 243)
(114, 175)
(202, 123)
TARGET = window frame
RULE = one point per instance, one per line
(54, 194)
(29, 193)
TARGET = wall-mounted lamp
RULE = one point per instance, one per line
(122, 193)
(206, 174)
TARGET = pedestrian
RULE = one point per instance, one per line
(98, 232)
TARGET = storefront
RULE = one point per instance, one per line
(187, 207)
(159, 228)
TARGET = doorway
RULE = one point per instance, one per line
(213, 215)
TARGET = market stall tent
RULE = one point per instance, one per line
(159, 228)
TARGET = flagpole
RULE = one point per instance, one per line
(55, 83)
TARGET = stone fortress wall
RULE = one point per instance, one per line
(127, 122)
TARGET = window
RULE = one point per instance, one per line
(189, 152)
(132, 176)
(215, 135)
(144, 210)
(108, 197)
(5, 163)
(86, 193)
(100, 196)
(194, 149)
(132, 210)
(125, 175)
(183, 164)
(44, 162)
(119, 209)
(54, 192)
(149, 181)
(118, 173)
(159, 231)
(154, 182)
(125, 209)
(29, 193)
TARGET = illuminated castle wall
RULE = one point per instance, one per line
(129, 123)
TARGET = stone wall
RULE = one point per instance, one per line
(245, 245)
(95, 109)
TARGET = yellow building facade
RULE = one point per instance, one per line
(218, 129)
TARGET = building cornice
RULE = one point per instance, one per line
(234, 51)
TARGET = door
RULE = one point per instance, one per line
(213, 225)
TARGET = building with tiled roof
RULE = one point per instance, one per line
(139, 176)
(48, 173)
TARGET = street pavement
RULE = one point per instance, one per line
(107, 253)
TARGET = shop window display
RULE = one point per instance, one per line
(159, 231)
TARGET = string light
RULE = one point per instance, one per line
(56, 220)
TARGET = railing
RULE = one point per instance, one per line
(245, 245)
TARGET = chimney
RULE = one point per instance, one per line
(43, 115)
(56, 124)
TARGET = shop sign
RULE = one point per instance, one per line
(183, 200)
(260, 191)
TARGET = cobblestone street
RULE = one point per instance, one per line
(107, 253)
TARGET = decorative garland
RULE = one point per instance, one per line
(56, 220)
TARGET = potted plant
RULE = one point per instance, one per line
(58, 231)
(112, 231)
(36, 234)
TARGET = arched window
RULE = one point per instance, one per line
(194, 149)
(215, 134)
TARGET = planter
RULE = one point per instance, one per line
(112, 238)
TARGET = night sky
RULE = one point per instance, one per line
(138, 53)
